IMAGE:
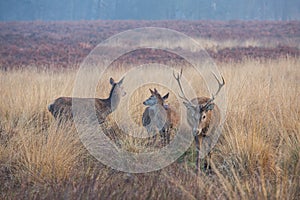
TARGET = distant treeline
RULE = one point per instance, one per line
(149, 9)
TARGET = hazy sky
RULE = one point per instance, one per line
(149, 10)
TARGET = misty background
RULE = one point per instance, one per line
(52, 10)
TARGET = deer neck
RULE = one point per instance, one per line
(157, 108)
(114, 99)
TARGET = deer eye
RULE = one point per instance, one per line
(204, 116)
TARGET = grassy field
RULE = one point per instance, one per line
(257, 156)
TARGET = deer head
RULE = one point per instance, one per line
(155, 98)
(117, 91)
(199, 109)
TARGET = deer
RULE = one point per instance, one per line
(61, 108)
(203, 116)
(159, 115)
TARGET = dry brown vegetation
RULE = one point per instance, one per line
(257, 157)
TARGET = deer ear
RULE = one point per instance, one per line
(111, 80)
(188, 105)
(210, 107)
(121, 81)
(166, 96)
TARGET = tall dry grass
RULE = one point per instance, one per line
(257, 157)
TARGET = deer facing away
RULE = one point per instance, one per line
(203, 116)
(61, 108)
(159, 116)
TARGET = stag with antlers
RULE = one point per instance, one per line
(203, 116)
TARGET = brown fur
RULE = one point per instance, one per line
(160, 112)
(212, 116)
(203, 117)
(61, 108)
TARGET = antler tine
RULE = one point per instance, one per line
(182, 96)
(220, 86)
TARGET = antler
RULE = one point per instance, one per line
(182, 96)
(220, 86)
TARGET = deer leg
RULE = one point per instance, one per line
(197, 144)
(168, 135)
(154, 138)
(204, 163)
(151, 140)
(165, 135)
(162, 136)
(208, 161)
